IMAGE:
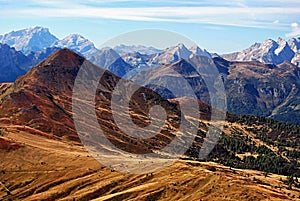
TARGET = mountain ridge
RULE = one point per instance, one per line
(269, 51)
(29, 39)
(43, 159)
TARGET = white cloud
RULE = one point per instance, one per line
(234, 12)
(295, 30)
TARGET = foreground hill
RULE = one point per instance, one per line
(42, 157)
(46, 169)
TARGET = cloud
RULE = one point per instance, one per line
(239, 16)
(240, 13)
(295, 30)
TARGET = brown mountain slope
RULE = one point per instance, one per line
(262, 89)
(41, 157)
(47, 169)
(41, 98)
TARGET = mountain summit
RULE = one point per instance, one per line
(41, 99)
(79, 44)
(171, 55)
(29, 40)
(198, 51)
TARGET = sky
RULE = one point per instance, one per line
(217, 26)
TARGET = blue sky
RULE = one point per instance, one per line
(216, 26)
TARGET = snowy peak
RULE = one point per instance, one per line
(294, 43)
(199, 52)
(284, 51)
(269, 44)
(170, 55)
(180, 51)
(29, 40)
(269, 51)
(79, 44)
(281, 45)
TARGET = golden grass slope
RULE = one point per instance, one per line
(48, 169)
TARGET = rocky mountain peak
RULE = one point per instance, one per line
(269, 51)
(196, 50)
(30, 39)
(78, 43)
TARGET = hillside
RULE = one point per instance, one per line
(55, 170)
(262, 89)
(36, 118)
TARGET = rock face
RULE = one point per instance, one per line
(269, 51)
(29, 40)
(12, 63)
(170, 55)
(263, 89)
(199, 52)
(78, 44)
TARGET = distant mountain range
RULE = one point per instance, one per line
(125, 49)
(37, 43)
(29, 40)
(270, 51)
(262, 80)
(12, 63)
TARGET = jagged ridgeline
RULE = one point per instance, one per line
(262, 80)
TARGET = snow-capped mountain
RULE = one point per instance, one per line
(29, 40)
(79, 44)
(111, 60)
(126, 49)
(198, 51)
(294, 43)
(269, 51)
(176, 53)
(284, 51)
(137, 59)
(170, 55)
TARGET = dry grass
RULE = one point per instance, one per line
(50, 169)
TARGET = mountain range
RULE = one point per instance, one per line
(29, 40)
(270, 51)
(261, 80)
(42, 157)
(125, 49)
